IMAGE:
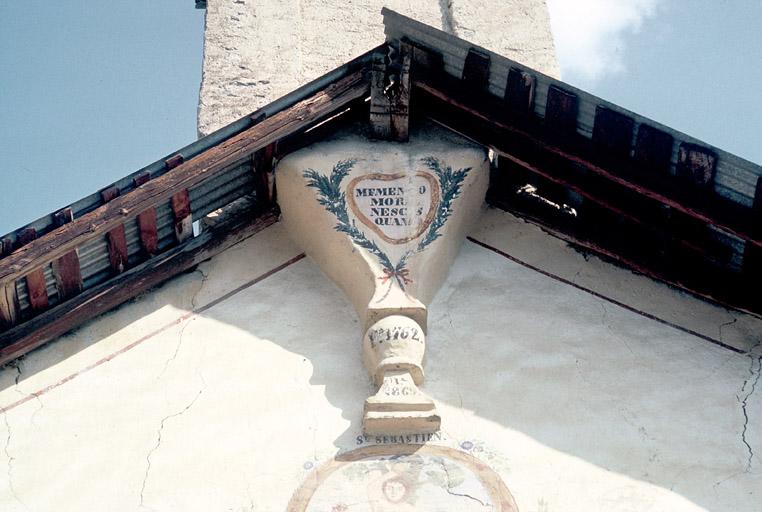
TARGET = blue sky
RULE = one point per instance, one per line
(92, 90)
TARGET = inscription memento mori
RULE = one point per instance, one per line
(398, 207)
(408, 209)
(385, 225)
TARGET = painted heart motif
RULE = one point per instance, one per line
(397, 207)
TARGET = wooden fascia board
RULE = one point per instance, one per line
(496, 129)
(186, 175)
(103, 297)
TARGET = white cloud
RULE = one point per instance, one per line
(588, 33)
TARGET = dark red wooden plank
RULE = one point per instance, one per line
(653, 149)
(66, 269)
(115, 238)
(696, 165)
(182, 212)
(25, 236)
(9, 306)
(38, 293)
(561, 110)
(35, 280)
(174, 161)
(519, 91)
(110, 193)
(612, 133)
(141, 178)
(149, 236)
(476, 70)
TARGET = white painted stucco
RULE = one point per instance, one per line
(577, 403)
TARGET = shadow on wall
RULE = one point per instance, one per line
(574, 373)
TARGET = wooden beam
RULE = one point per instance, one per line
(400, 101)
(561, 110)
(653, 149)
(390, 93)
(66, 268)
(491, 129)
(35, 279)
(198, 169)
(115, 237)
(262, 166)
(6, 247)
(519, 91)
(476, 70)
(380, 109)
(149, 236)
(182, 212)
(612, 133)
(696, 165)
(9, 305)
(103, 297)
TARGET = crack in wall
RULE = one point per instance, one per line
(719, 329)
(158, 443)
(17, 365)
(194, 306)
(453, 493)
(9, 471)
(204, 279)
(754, 375)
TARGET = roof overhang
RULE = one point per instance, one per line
(603, 178)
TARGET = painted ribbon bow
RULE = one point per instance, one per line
(402, 273)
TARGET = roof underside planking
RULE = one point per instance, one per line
(603, 178)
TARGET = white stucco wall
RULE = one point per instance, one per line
(255, 52)
(223, 389)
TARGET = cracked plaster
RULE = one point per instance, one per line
(580, 404)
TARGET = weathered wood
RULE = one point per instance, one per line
(26, 236)
(490, 129)
(115, 238)
(182, 212)
(6, 247)
(568, 183)
(390, 93)
(400, 100)
(696, 165)
(9, 306)
(476, 70)
(66, 269)
(36, 290)
(380, 107)
(653, 149)
(262, 165)
(35, 279)
(561, 110)
(103, 297)
(149, 235)
(202, 167)
(425, 60)
(612, 133)
(519, 91)
(173, 161)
